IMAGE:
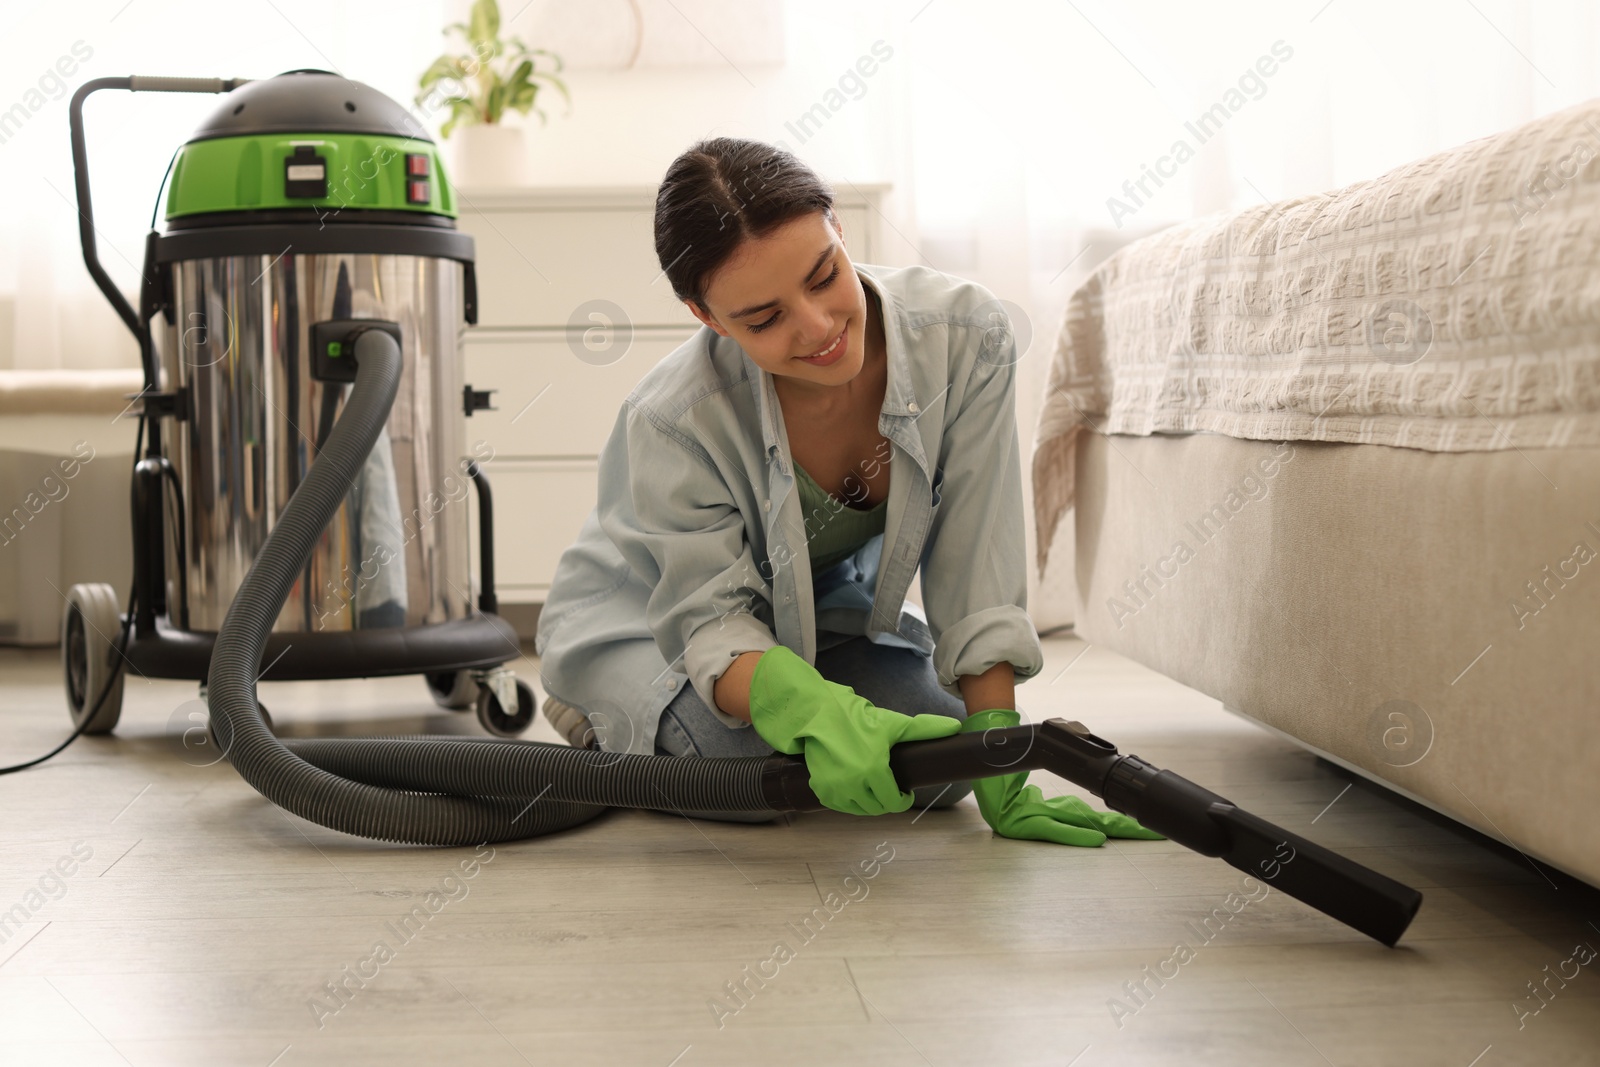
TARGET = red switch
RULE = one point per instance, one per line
(417, 165)
(417, 191)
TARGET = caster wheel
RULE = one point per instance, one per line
(455, 690)
(493, 718)
(91, 628)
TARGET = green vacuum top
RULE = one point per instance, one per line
(309, 139)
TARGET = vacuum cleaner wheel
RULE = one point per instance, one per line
(455, 690)
(494, 718)
(90, 629)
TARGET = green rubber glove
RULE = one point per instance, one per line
(1014, 810)
(845, 738)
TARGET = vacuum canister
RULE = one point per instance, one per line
(307, 203)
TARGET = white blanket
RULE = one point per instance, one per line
(1451, 305)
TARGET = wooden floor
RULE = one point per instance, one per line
(205, 924)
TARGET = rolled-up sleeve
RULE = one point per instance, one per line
(670, 513)
(974, 569)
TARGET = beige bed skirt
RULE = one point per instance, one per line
(1430, 618)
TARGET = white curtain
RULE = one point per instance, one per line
(1005, 127)
(1028, 119)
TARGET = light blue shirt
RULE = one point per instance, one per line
(696, 551)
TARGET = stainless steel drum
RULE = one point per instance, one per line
(396, 554)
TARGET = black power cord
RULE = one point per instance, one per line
(122, 649)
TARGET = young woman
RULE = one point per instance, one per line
(766, 495)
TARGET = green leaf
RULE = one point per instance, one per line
(465, 113)
(443, 67)
(485, 22)
(561, 87)
(546, 52)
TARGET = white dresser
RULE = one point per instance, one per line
(573, 309)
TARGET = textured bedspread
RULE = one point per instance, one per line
(1450, 305)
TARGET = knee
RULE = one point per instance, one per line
(932, 700)
(935, 702)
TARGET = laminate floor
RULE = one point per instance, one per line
(201, 925)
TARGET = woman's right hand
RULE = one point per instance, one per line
(845, 738)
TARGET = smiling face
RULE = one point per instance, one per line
(791, 295)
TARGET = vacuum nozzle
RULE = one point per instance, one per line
(1167, 803)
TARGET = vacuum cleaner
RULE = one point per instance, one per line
(310, 240)
(306, 207)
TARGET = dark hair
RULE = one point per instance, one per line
(721, 191)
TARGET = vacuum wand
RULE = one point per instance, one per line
(1167, 803)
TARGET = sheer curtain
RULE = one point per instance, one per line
(1024, 141)
(1006, 128)
(1046, 135)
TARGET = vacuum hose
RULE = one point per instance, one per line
(419, 790)
(465, 790)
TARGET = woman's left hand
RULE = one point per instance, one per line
(1014, 809)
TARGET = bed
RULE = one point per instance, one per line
(1335, 461)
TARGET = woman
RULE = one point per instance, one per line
(768, 491)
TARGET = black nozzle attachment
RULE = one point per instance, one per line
(1167, 803)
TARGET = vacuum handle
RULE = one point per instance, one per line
(80, 175)
(86, 231)
(955, 758)
(144, 83)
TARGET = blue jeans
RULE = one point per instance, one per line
(897, 679)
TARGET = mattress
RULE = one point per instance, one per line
(1449, 305)
(1429, 618)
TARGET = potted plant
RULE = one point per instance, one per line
(495, 77)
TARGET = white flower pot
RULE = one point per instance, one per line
(488, 155)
